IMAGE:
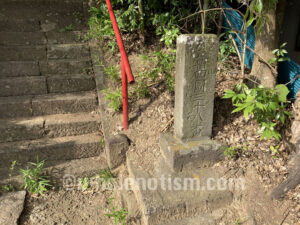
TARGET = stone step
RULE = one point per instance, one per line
(19, 25)
(61, 148)
(38, 85)
(50, 126)
(26, 106)
(60, 171)
(68, 51)
(67, 84)
(65, 66)
(178, 197)
(23, 53)
(18, 86)
(65, 37)
(22, 38)
(202, 219)
(19, 68)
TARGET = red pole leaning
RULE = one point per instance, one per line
(120, 42)
(124, 95)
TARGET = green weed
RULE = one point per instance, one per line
(119, 215)
(85, 183)
(114, 98)
(105, 176)
(9, 187)
(34, 180)
(231, 152)
(68, 28)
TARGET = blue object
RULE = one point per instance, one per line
(287, 71)
(235, 20)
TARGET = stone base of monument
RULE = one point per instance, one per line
(196, 154)
(167, 197)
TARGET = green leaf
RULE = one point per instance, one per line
(282, 92)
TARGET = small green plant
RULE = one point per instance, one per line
(119, 216)
(237, 222)
(68, 28)
(268, 106)
(9, 187)
(113, 72)
(85, 183)
(280, 54)
(34, 180)
(231, 152)
(105, 176)
(114, 98)
(274, 150)
(102, 142)
(226, 49)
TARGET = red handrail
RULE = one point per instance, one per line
(125, 66)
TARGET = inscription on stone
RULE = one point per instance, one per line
(196, 65)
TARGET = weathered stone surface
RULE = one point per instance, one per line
(11, 107)
(203, 219)
(68, 51)
(21, 25)
(21, 129)
(26, 38)
(18, 86)
(11, 206)
(64, 66)
(116, 148)
(50, 126)
(64, 37)
(159, 203)
(68, 125)
(62, 148)
(74, 83)
(177, 155)
(22, 53)
(196, 66)
(15, 69)
(65, 103)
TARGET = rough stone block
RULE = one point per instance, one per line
(68, 51)
(200, 153)
(66, 103)
(64, 37)
(27, 38)
(12, 107)
(18, 86)
(74, 83)
(14, 25)
(22, 53)
(11, 205)
(116, 148)
(64, 66)
(15, 69)
(196, 64)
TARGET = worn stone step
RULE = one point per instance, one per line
(67, 84)
(61, 172)
(18, 86)
(65, 37)
(22, 53)
(64, 103)
(19, 25)
(22, 38)
(68, 51)
(179, 196)
(51, 126)
(65, 66)
(61, 148)
(26, 106)
(19, 68)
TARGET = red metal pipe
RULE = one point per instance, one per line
(124, 95)
(120, 43)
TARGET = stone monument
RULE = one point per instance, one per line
(196, 64)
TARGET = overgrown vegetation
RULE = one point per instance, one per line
(268, 106)
(34, 180)
(119, 215)
(85, 183)
(9, 187)
(105, 176)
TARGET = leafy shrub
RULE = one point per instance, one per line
(268, 106)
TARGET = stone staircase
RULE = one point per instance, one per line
(48, 102)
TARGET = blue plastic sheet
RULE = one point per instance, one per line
(235, 20)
